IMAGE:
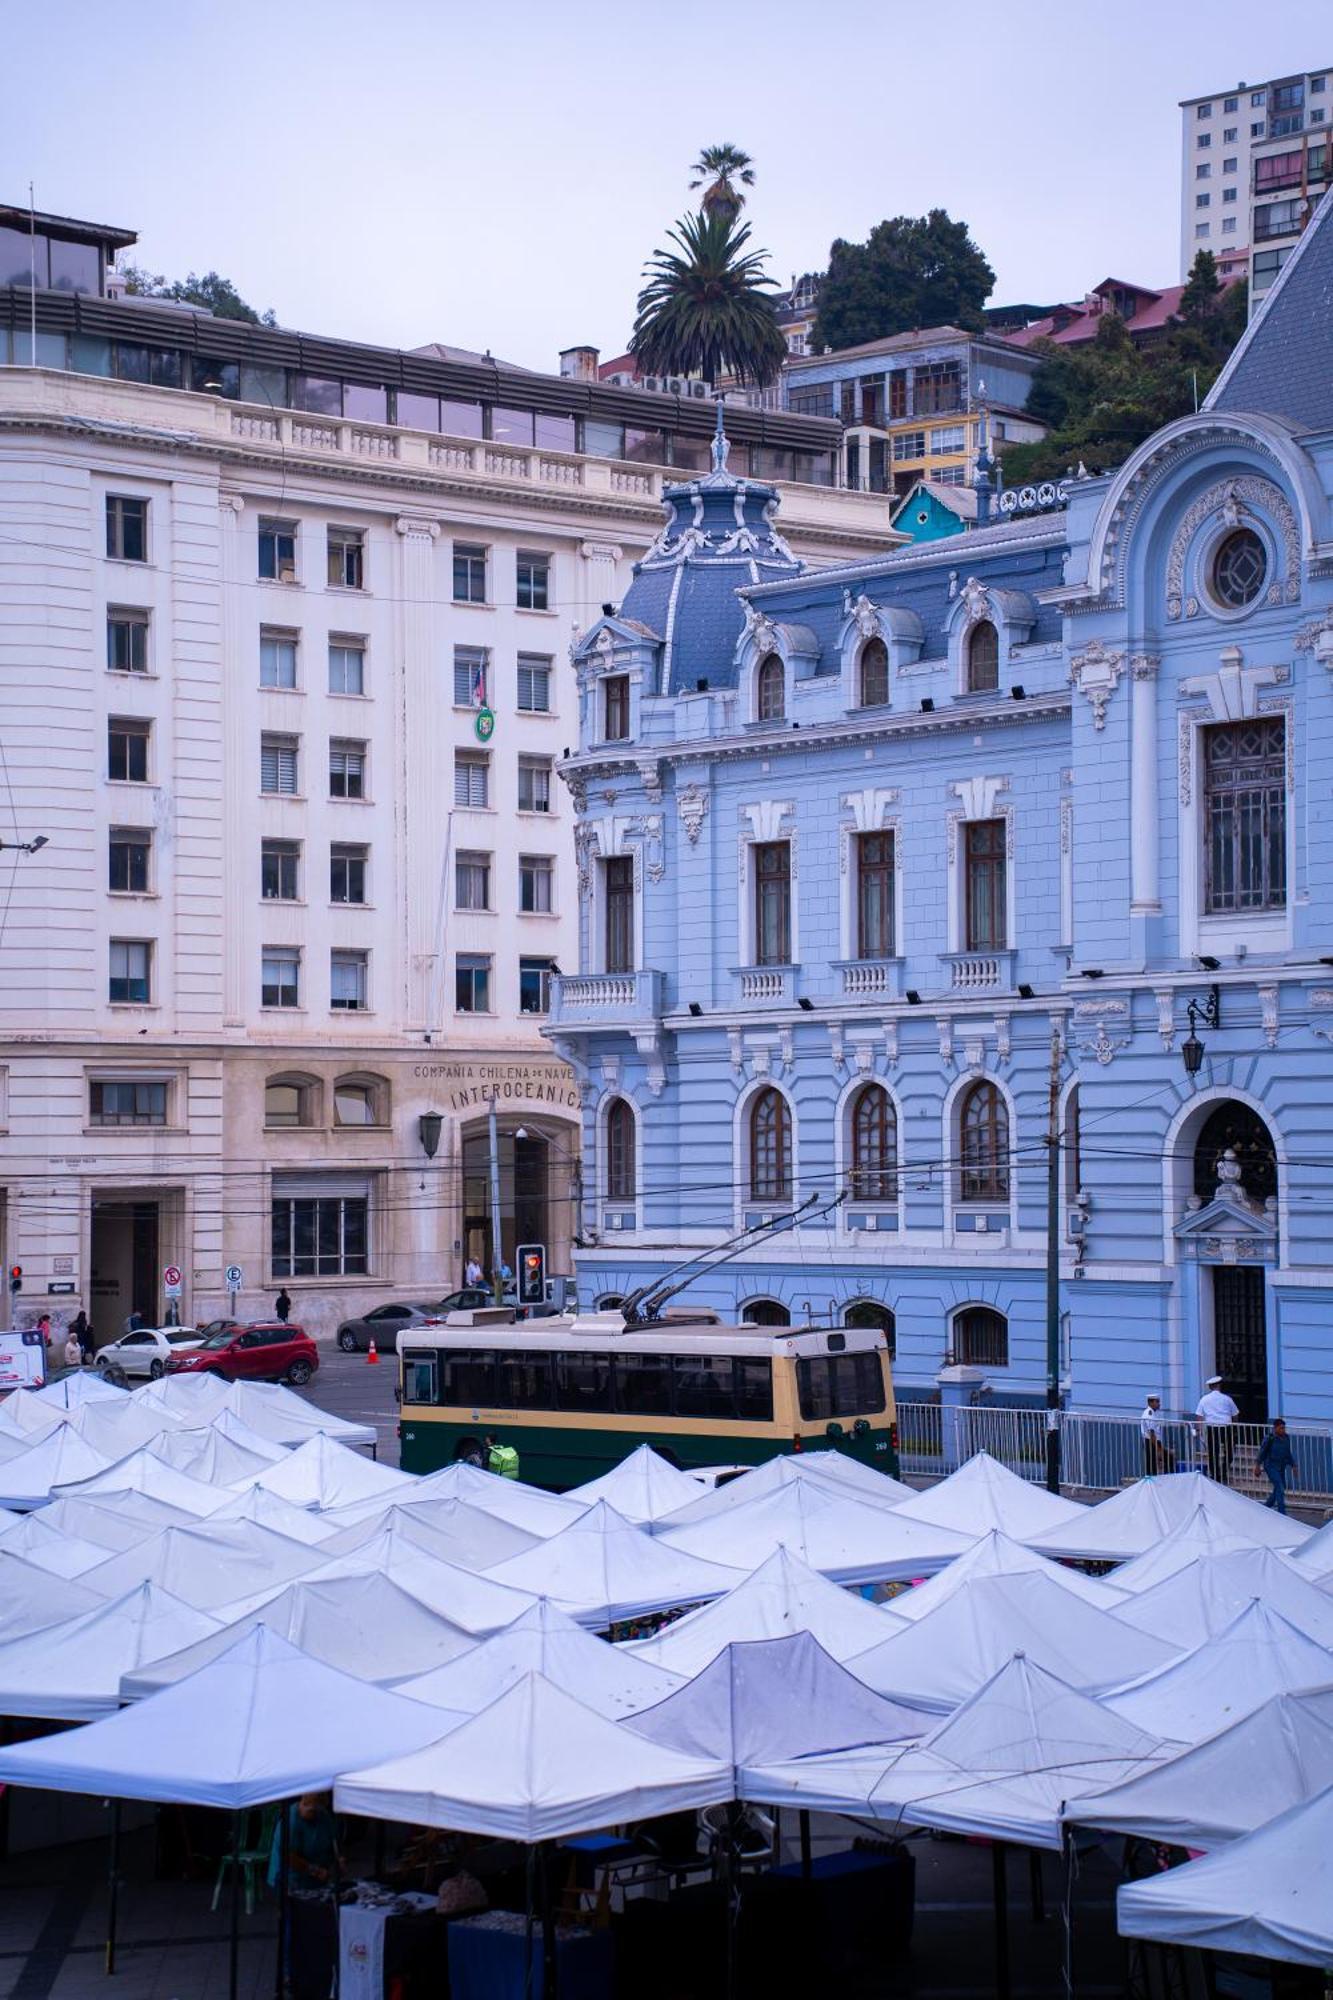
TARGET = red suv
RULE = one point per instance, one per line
(269, 1351)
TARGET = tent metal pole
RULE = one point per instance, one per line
(1000, 1889)
(112, 1884)
(550, 1968)
(233, 1978)
(1070, 1873)
(807, 1864)
(284, 1878)
(1035, 1883)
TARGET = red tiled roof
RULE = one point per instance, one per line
(1070, 325)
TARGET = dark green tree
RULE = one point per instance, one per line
(911, 271)
(705, 309)
(721, 167)
(213, 292)
(1203, 288)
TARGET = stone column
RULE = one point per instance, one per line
(240, 767)
(421, 789)
(1144, 867)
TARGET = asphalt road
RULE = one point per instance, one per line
(348, 1385)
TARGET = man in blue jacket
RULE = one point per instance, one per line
(1278, 1460)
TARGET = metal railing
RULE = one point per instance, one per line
(1101, 1451)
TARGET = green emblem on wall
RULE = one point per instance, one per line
(485, 724)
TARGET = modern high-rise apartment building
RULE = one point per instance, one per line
(1254, 163)
(285, 627)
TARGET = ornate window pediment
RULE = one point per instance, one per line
(1011, 612)
(1201, 564)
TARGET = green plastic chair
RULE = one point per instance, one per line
(252, 1858)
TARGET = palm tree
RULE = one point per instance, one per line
(704, 309)
(723, 166)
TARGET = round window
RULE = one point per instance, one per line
(1240, 564)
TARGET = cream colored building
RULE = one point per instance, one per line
(298, 891)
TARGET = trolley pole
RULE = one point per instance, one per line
(1053, 1269)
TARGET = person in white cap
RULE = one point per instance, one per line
(1156, 1457)
(1216, 1414)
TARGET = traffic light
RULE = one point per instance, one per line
(15, 1278)
(532, 1274)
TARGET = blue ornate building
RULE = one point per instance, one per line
(855, 844)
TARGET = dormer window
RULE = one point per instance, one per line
(770, 689)
(873, 688)
(983, 658)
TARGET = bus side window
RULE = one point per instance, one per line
(754, 1388)
(703, 1385)
(419, 1378)
(523, 1381)
(469, 1377)
(840, 1385)
(583, 1381)
(642, 1385)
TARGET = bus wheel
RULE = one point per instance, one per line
(664, 1452)
(468, 1451)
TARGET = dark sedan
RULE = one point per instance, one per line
(386, 1322)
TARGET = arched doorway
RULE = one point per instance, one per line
(537, 1176)
(1234, 1158)
(1232, 1127)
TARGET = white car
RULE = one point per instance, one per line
(145, 1351)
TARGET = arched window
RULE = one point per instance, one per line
(290, 1101)
(765, 1312)
(770, 1147)
(983, 1126)
(873, 687)
(865, 1312)
(981, 1337)
(360, 1100)
(983, 658)
(874, 1146)
(609, 1302)
(1234, 1128)
(620, 1175)
(770, 689)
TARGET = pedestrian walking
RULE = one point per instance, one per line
(82, 1332)
(73, 1351)
(1216, 1414)
(472, 1272)
(282, 1305)
(1278, 1460)
(1156, 1457)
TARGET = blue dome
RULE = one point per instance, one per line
(719, 536)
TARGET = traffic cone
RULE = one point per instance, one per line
(373, 1358)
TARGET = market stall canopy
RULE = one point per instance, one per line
(116, 1520)
(283, 1417)
(1315, 1554)
(528, 1507)
(983, 1495)
(59, 1459)
(477, 1603)
(73, 1670)
(764, 1699)
(141, 1472)
(71, 1391)
(1199, 1534)
(803, 1470)
(207, 1564)
(208, 1455)
(1260, 1653)
(365, 1626)
(643, 1488)
(1267, 1896)
(117, 1429)
(1001, 1767)
(261, 1722)
(31, 1599)
(196, 1398)
(322, 1473)
(1141, 1515)
(35, 1539)
(453, 1530)
(535, 1765)
(601, 1569)
(1230, 1785)
(549, 1642)
(941, 1659)
(252, 1503)
(841, 1537)
(1202, 1598)
(21, 1415)
(997, 1555)
(783, 1595)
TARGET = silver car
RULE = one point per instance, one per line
(145, 1351)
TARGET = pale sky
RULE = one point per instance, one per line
(495, 176)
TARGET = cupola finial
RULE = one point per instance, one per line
(721, 446)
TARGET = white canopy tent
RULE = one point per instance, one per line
(23, 1416)
(476, 1603)
(528, 1507)
(997, 1555)
(141, 1472)
(783, 1595)
(117, 1429)
(116, 1520)
(839, 1536)
(58, 1459)
(1202, 1598)
(71, 1391)
(32, 1599)
(232, 1735)
(283, 1417)
(838, 1475)
(1279, 1756)
(1200, 1534)
(1316, 1552)
(764, 1699)
(365, 1626)
(207, 1564)
(601, 1569)
(252, 1503)
(983, 1495)
(196, 1399)
(1260, 1653)
(549, 1642)
(535, 1765)
(453, 1530)
(73, 1670)
(35, 1539)
(643, 1488)
(324, 1474)
(1268, 1896)
(208, 1455)
(1002, 1767)
(1141, 1515)
(943, 1658)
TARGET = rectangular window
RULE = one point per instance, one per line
(280, 871)
(772, 902)
(280, 976)
(1204, 111)
(347, 770)
(1203, 172)
(1277, 218)
(278, 764)
(472, 881)
(472, 780)
(1245, 806)
(126, 640)
(324, 1237)
(347, 665)
(897, 394)
(583, 1382)
(126, 528)
(1229, 226)
(1229, 167)
(874, 895)
(472, 983)
(1278, 170)
(1201, 229)
(1202, 200)
(1231, 134)
(320, 395)
(347, 874)
(349, 981)
(127, 750)
(347, 558)
(1230, 103)
(615, 708)
(471, 664)
(642, 1385)
(467, 1377)
(534, 985)
(1229, 194)
(469, 573)
(984, 897)
(277, 659)
(618, 914)
(909, 444)
(128, 856)
(937, 388)
(533, 581)
(534, 785)
(1205, 139)
(534, 684)
(1257, 131)
(947, 437)
(840, 1385)
(277, 550)
(536, 884)
(126, 1102)
(131, 972)
(815, 401)
(1257, 97)
(420, 1365)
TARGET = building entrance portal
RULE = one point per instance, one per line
(1240, 1338)
(525, 1209)
(126, 1265)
